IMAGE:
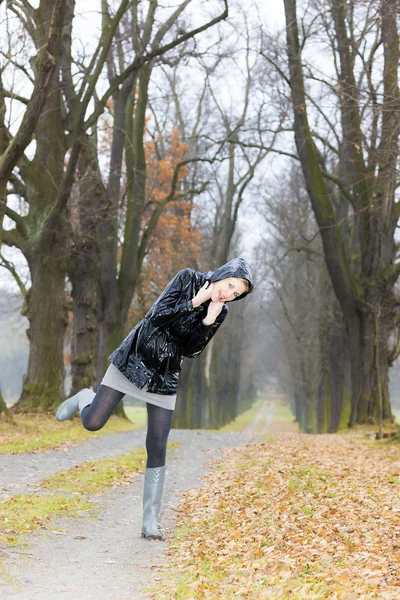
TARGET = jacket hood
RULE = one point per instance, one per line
(237, 267)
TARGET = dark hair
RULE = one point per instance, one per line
(246, 283)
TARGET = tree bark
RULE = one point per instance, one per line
(83, 269)
(107, 239)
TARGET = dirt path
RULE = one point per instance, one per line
(105, 558)
(19, 474)
(261, 424)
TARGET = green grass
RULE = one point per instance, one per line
(25, 513)
(94, 477)
(137, 414)
(306, 480)
(282, 411)
(35, 432)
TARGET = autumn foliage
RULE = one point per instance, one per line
(175, 243)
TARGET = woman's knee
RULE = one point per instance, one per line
(92, 426)
(90, 423)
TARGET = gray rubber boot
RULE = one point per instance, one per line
(69, 407)
(152, 493)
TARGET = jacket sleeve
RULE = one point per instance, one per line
(201, 335)
(169, 304)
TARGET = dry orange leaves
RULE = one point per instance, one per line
(299, 516)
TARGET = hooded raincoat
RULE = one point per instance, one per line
(153, 351)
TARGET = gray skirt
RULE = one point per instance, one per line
(116, 380)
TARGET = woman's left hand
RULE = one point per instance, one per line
(214, 309)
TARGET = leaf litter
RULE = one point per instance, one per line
(301, 516)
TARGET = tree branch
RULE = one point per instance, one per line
(14, 96)
(11, 238)
(334, 249)
(10, 267)
(46, 62)
(18, 220)
(141, 60)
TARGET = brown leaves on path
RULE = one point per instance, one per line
(301, 516)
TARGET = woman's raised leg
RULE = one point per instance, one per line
(95, 408)
(95, 415)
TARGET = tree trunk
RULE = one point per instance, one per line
(364, 376)
(83, 270)
(107, 239)
(183, 415)
(84, 307)
(43, 384)
(4, 409)
(50, 20)
(133, 251)
(339, 374)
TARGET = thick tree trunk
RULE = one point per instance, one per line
(183, 415)
(135, 246)
(364, 375)
(4, 412)
(84, 273)
(198, 390)
(84, 306)
(43, 384)
(110, 334)
(339, 374)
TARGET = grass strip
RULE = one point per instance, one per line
(282, 411)
(282, 419)
(33, 432)
(305, 517)
(76, 488)
(93, 477)
(25, 513)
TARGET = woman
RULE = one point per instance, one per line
(148, 362)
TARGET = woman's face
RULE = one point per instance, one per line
(227, 289)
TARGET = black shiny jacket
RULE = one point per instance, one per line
(153, 351)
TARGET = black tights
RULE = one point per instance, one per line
(159, 421)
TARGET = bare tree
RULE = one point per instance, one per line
(68, 121)
(361, 173)
(209, 386)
